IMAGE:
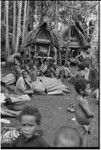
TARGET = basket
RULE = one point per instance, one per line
(16, 106)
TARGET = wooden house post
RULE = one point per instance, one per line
(69, 34)
(35, 49)
(49, 51)
(55, 57)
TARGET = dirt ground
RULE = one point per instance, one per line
(54, 115)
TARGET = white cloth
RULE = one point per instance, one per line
(20, 84)
(53, 85)
(9, 79)
(38, 86)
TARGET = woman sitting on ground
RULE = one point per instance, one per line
(24, 82)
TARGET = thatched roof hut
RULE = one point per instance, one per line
(42, 42)
(43, 35)
(77, 38)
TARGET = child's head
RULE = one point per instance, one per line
(45, 61)
(67, 64)
(67, 137)
(29, 119)
(81, 67)
(81, 87)
(24, 74)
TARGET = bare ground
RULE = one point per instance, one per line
(54, 114)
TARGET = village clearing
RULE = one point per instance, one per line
(54, 114)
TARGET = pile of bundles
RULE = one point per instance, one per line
(9, 134)
(19, 85)
(24, 81)
(41, 85)
(51, 85)
(11, 104)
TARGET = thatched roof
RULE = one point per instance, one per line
(42, 35)
(77, 36)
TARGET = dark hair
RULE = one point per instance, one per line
(80, 85)
(18, 59)
(22, 53)
(45, 60)
(81, 66)
(30, 110)
(64, 130)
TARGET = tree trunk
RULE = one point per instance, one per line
(24, 21)
(14, 25)
(27, 18)
(95, 41)
(35, 9)
(56, 15)
(35, 16)
(18, 25)
(42, 14)
(69, 35)
(0, 26)
(7, 28)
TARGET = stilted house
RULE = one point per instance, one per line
(43, 43)
(77, 39)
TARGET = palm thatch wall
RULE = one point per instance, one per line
(43, 32)
(44, 37)
(78, 38)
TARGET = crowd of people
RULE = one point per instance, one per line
(26, 70)
(85, 82)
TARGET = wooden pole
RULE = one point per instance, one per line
(27, 16)
(56, 17)
(14, 25)
(0, 29)
(24, 21)
(69, 35)
(35, 49)
(49, 51)
(7, 28)
(18, 26)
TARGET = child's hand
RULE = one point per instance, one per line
(92, 115)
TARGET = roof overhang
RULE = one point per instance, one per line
(43, 41)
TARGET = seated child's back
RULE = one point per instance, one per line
(67, 137)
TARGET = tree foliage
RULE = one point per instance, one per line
(56, 13)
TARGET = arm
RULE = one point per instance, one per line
(77, 60)
(85, 107)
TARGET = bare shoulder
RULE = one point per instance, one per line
(81, 99)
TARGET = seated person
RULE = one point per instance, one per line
(23, 83)
(44, 66)
(17, 67)
(84, 57)
(33, 73)
(94, 82)
(66, 70)
(56, 69)
(83, 72)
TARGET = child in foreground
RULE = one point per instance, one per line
(82, 109)
(29, 119)
(67, 137)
